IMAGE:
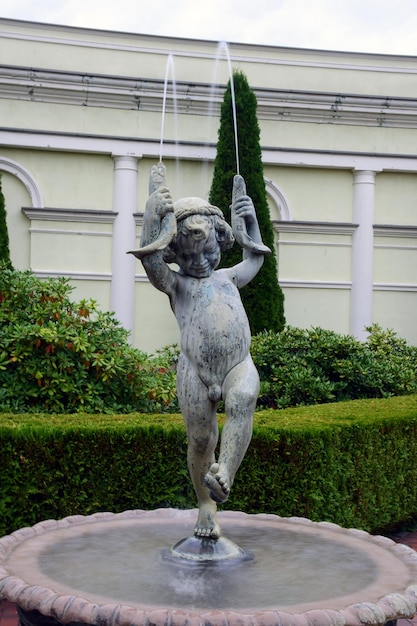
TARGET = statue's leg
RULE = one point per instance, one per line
(200, 417)
(240, 392)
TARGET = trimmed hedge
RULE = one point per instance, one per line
(54, 466)
(352, 463)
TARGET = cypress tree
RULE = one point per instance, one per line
(262, 298)
(4, 235)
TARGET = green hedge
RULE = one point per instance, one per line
(352, 463)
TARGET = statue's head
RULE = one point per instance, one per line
(202, 234)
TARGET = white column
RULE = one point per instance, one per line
(124, 236)
(362, 253)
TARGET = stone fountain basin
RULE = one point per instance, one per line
(109, 569)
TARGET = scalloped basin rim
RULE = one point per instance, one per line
(391, 595)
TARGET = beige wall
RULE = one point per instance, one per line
(73, 100)
(396, 199)
(315, 194)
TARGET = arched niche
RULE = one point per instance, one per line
(14, 168)
(279, 202)
(20, 189)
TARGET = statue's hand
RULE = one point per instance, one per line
(244, 223)
(160, 202)
(159, 223)
(243, 207)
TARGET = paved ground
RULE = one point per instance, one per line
(8, 615)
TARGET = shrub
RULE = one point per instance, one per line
(314, 366)
(352, 463)
(59, 465)
(4, 233)
(59, 356)
(62, 356)
(263, 298)
(397, 359)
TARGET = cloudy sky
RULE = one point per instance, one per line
(381, 26)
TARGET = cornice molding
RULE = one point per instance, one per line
(70, 215)
(74, 275)
(119, 92)
(392, 230)
(317, 228)
(138, 218)
(403, 287)
(323, 284)
(314, 284)
(206, 48)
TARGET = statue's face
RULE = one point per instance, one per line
(198, 252)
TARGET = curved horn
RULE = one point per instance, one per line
(239, 224)
(166, 234)
(168, 224)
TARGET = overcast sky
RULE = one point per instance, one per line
(381, 26)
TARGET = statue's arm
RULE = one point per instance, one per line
(249, 237)
(158, 229)
(157, 232)
(247, 269)
(246, 230)
(159, 273)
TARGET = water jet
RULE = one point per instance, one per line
(169, 71)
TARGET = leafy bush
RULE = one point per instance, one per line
(299, 367)
(61, 356)
(397, 358)
(58, 356)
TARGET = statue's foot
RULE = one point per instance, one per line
(207, 525)
(217, 484)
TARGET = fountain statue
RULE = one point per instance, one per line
(214, 362)
(130, 568)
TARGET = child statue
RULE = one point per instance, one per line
(214, 363)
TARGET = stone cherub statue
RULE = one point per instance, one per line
(214, 361)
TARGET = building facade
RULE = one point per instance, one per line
(84, 117)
